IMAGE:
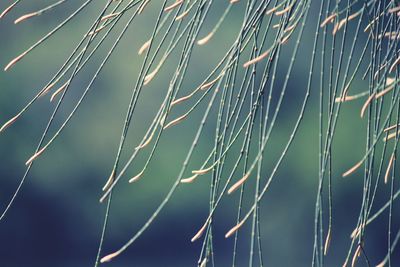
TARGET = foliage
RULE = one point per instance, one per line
(279, 57)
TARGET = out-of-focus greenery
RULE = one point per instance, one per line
(56, 219)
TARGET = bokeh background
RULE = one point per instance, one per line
(56, 219)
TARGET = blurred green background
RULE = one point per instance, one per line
(56, 219)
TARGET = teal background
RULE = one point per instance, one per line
(56, 219)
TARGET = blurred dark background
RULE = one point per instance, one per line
(56, 219)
